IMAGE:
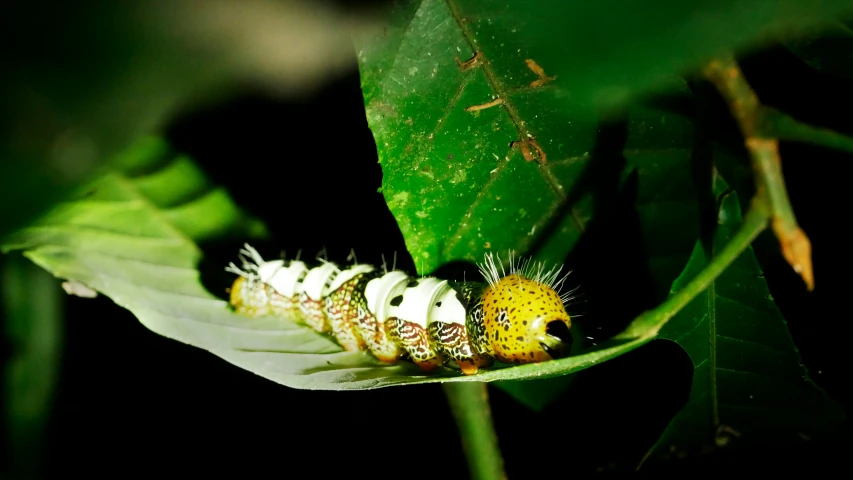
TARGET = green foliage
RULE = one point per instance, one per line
(462, 182)
(32, 306)
(452, 180)
(133, 235)
(748, 377)
(826, 49)
(82, 82)
(457, 187)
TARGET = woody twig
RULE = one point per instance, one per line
(763, 149)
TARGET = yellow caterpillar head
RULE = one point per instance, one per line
(236, 292)
(249, 294)
(524, 318)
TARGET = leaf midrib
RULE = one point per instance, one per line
(518, 124)
(155, 211)
(712, 354)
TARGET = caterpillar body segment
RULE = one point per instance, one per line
(515, 318)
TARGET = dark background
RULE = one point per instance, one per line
(130, 402)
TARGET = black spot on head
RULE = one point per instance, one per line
(396, 301)
(412, 283)
(559, 330)
(437, 304)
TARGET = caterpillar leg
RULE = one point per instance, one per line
(315, 287)
(414, 340)
(341, 316)
(350, 319)
(376, 338)
(286, 308)
(374, 305)
(313, 314)
(451, 340)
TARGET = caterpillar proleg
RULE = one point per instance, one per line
(518, 316)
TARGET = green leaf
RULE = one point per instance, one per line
(456, 186)
(828, 50)
(451, 179)
(749, 384)
(132, 236)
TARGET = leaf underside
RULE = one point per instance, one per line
(132, 236)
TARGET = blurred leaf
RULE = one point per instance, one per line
(452, 179)
(749, 384)
(622, 47)
(828, 49)
(81, 81)
(132, 235)
(32, 302)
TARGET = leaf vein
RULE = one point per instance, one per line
(92, 228)
(751, 342)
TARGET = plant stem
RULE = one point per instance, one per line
(32, 304)
(764, 152)
(469, 402)
(777, 124)
(650, 323)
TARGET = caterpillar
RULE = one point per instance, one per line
(517, 316)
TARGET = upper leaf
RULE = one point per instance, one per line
(827, 49)
(457, 179)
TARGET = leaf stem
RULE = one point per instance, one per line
(32, 304)
(764, 152)
(469, 403)
(781, 125)
(650, 322)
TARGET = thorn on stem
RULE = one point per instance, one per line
(540, 72)
(525, 146)
(470, 63)
(797, 250)
(483, 106)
